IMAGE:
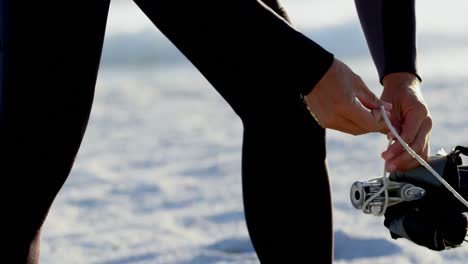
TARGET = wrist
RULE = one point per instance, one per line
(399, 79)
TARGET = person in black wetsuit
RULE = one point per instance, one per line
(261, 65)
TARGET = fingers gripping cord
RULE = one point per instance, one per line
(385, 179)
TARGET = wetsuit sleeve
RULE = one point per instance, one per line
(389, 27)
(236, 40)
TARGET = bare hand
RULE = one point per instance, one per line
(342, 101)
(411, 118)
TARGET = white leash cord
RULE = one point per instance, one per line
(384, 188)
(418, 158)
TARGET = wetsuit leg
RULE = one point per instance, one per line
(50, 57)
(286, 189)
(277, 208)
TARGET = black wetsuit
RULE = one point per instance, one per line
(50, 53)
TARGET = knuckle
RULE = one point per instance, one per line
(358, 79)
(429, 121)
(424, 111)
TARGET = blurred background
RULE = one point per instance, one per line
(158, 177)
